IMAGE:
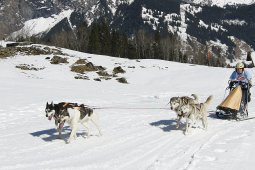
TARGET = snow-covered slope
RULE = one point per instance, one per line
(138, 128)
(41, 25)
(222, 3)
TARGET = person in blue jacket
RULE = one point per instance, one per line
(243, 75)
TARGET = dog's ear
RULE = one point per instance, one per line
(52, 103)
(47, 104)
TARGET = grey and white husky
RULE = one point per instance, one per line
(177, 102)
(195, 112)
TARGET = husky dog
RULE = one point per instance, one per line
(54, 110)
(74, 115)
(177, 102)
(194, 112)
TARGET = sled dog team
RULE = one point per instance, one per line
(73, 113)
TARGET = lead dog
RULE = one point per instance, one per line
(195, 112)
(72, 113)
(75, 115)
(177, 102)
(53, 111)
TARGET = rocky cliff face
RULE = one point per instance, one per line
(192, 20)
(13, 13)
(125, 13)
(226, 26)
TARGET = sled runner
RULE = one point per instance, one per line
(235, 105)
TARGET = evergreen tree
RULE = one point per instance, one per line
(115, 42)
(157, 46)
(249, 56)
(94, 46)
(82, 37)
(105, 39)
(124, 46)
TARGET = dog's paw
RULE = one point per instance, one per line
(186, 132)
(68, 141)
(85, 136)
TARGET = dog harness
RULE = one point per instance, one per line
(85, 111)
(196, 108)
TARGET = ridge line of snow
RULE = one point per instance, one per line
(222, 3)
(40, 25)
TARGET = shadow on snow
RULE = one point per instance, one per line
(52, 134)
(212, 115)
(167, 125)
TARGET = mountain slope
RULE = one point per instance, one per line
(213, 25)
(222, 3)
(200, 25)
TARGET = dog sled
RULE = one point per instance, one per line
(235, 105)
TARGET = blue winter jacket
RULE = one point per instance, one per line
(244, 76)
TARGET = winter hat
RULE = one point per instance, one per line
(240, 65)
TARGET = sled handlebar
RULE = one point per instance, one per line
(243, 84)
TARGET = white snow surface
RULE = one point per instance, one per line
(182, 30)
(148, 17)
(138, 127)
(3, 43)
(222, 3)
(202, 24)
(41, 25)
(235, 22)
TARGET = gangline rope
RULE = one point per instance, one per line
(132, 108)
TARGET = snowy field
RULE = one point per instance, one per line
(138, 128)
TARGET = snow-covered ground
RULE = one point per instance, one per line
(138, 128)
(222, 3)
(41, 25)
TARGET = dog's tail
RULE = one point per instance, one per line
(195, 97)
(208, 101)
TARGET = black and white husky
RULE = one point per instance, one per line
(72, 113)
